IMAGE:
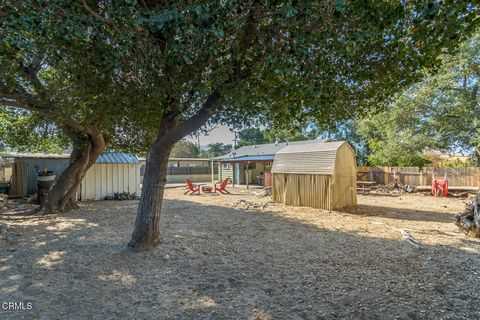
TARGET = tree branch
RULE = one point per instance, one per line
(94, 14)
(195, 122)
(474, 91)
(24, 99)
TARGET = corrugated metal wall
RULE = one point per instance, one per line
(106, 179)
(58, 165)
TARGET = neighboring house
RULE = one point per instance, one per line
(246, 164)
(440, 159)
(188, 162)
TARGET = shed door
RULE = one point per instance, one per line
(267, 179)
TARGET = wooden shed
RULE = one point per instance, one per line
(319, 175)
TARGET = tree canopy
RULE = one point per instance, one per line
(153, 72)
(441, 112)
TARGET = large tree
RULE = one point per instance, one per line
(271, 62)
(34, 92)
(59, 88)
(440, 112)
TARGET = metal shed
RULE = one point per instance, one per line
(112, 172)
(319, 175)
(24, 174)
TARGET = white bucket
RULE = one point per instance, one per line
(46, 178)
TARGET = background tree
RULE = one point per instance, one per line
(183, 63)
(441, 112)
(285, 135)
(23, 131)
(218, 149)
(185, 149)
(347, 130)
(250, 136)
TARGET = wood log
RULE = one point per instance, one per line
(450, 188)
(469, 220)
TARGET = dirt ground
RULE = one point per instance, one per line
(224, 261)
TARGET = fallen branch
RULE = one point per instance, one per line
(407, 237)
(249, 204)
(403, 232)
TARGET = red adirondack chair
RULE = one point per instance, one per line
(192, 189)
(222, 187)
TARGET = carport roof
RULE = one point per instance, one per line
(255, 158)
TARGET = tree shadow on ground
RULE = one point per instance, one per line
(217, 262)
(399, 213)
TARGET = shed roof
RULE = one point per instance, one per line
(262, 149)
(104, 158)
(315, 157)
(36, 155)
(117, 158)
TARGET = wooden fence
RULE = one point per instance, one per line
(413, 176)
(182, 171)
(172, 171)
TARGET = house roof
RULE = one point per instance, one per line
(314, 157)
(261, 150)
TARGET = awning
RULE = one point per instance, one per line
(253, 158)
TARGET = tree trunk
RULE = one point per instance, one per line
(146, 232)
(86, 149)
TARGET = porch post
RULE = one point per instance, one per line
(211, 165)
(232, 164)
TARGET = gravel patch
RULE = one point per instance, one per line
(221, 260)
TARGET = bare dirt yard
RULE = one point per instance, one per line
(391, 258)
